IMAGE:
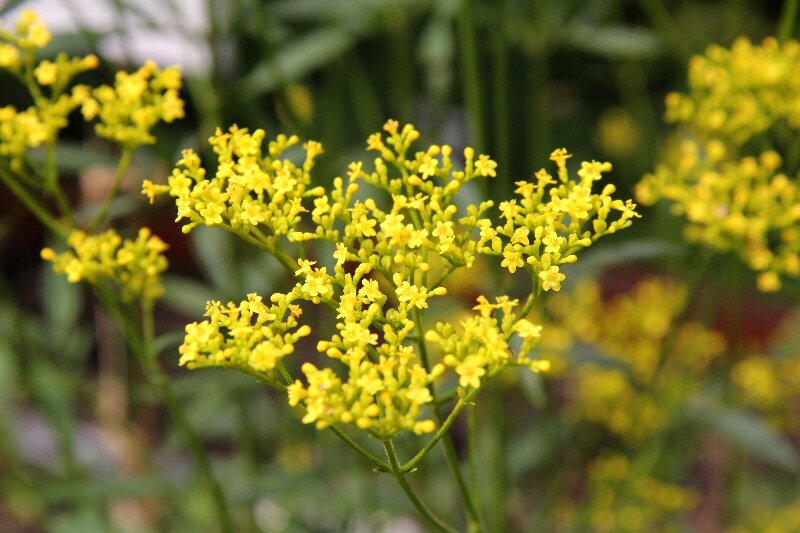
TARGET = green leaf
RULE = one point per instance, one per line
(615, 42)
(749, 433)
(532, 386)
(63, 303)
(624, 253)
(295, 60)
(214, 251)
(101, 489)
(185, 295)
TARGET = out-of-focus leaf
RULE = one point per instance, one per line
(8, 5)
(615, 42)
(436, 51)
(51, 386)
(73, 157)
(620, 254)
(100, 489)
(8, 374)
(749, 433)
(63, 302)
(81, 519)
(536, 447)
(295, 60)
(351, 13)
(214, 251)
(533, 387)
(168, 340)
(185, 294)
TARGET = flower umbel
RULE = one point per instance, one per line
(132, 265)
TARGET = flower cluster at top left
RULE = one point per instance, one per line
(125, 113)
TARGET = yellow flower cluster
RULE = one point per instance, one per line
(132, 265)
(251, 335)
(386, 385)
(624, 500)
(740, 92)
(641, 380)
(130, 109)
(769, 385)
(250, 191)
(759, 517)
(47, 82)
(553, 220)
(31, 34)
(383, 262)
(737, 192)
(480, 348)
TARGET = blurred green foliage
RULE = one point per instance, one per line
(85, 446)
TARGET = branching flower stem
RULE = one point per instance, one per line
(399, 475)
(444, 436)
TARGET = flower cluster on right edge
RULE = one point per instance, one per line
(741, 111)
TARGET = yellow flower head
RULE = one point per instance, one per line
(130, 109)
(735, 194)
(133, 266)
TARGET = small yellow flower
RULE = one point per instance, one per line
(512, 259)
(527, 330)
(485, 166)
(551, 278)
(46, 73)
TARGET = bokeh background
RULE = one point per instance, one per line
(85, 446)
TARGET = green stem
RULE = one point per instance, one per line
(383, 466)
(662, 20)
(51, 182)
(444, 427)
(423, 510)
(693, 285)
(443, 277)
(33, 205)
(532, 297)
(447, 443)
(500, 111)
(788, 20)
(470, 78)
(122, 168)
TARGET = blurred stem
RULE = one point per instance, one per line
(788, 20)
(33, 205)
(497, 469)
(142, 343)
(539, 123)
(366, 104)
(536, 290)
(51, 182)
(400, 67)
(469, 70)
(501, 139)
(472, 434)
(122, 167)
(631, 83)
(661, 20)
(399, 475)
(696, 275)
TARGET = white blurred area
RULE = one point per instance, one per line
(170, 32)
